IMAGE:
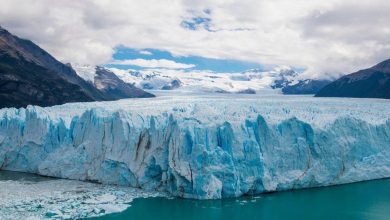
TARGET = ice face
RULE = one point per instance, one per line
(203, 147)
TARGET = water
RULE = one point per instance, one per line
(365, 200)
(24, 195)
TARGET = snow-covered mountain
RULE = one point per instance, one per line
(107, 82)
(31, 76)
(305, 86)
(251, 81)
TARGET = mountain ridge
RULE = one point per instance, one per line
(373, 82)
(31, 76)
(107, 82)
(281, 79)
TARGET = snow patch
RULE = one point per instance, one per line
(87, 72)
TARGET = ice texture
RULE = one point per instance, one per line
(203, 147)
(41, 198)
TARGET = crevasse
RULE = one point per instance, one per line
(194, 157)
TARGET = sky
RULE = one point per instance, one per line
(138, 59)
(325, 39)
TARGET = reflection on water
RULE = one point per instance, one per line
(365, 200)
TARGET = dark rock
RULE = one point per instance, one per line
(174, 84)
(31, 76)
(308, 86)
(373, 82)
(247, 91)
(110, 84)
(147, 86)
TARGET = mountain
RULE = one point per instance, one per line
(280, 79)
(31, 76)
(373, 82)
(153, 80)
(108, 83)
(308, 86)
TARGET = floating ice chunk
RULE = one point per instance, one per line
(64, 199)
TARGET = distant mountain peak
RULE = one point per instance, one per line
(107, 82)
(373, 82)
(242, 82)
(255, 70)
(31, 76)
(384, 66)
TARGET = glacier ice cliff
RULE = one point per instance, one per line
(202, 147)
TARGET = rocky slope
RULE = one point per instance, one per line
(109, 83)
(308, 86)
(373, 82)
(30, 75)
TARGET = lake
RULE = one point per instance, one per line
(364, 200)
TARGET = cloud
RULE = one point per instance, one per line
(328, 38)
(145, 52)
(197, 20)
(153, 63)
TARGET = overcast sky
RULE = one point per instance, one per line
(324, 37)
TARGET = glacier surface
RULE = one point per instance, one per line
(203, 147)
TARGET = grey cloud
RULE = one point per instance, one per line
(328, 38)
(350, 23)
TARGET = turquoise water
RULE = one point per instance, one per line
(365, 200)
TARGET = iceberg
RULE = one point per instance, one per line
(203, 147)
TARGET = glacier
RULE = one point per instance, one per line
(203, 146)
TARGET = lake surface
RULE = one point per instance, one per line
(29, 196)
(364, 200)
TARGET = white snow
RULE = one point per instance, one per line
(205, 81)
(202, 146)
(87, 72)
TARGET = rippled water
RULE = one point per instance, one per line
(365, 200)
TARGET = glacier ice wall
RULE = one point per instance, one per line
(200, 149)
